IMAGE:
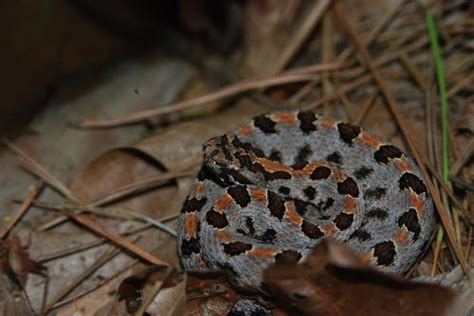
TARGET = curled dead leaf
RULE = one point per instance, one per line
(333, 282)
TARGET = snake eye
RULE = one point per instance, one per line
(295, 296)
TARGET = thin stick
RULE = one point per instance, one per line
(468, 79)
(140, 186)
(302, 34)
(366, 108)
(95, 287)
(228, 91)
(414, 71)
(463, 159)
(342, 90)
(106, 256)
(33, 192)
(79, 248)
(395, 109)
(109, 211)
(41, 172)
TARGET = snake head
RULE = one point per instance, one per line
(226, 156)
(218, 152)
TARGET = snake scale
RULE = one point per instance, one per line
(271, 188)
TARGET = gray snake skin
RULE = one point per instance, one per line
(272, 187)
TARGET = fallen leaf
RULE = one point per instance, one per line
(15, 265)
(332, 281)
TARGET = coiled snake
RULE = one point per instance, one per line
(272, 187)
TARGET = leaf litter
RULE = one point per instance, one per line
(97, 241)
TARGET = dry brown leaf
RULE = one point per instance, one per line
(171, 299)
(15, 265)
(155, 290)
(332, 281)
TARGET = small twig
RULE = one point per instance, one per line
(33, 192)
(414, 71)
(302, 34)
(109, 212)
(366, 108)
(106, 256)
(342, 90)
(95, 286)
(225, 92)
(463, 160)
(41, 172)
(140, 186)
(79, 248)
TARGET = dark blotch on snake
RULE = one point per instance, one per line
(190, 246)
(409, 180)
(360, 234)
(363, 172)
(268, 236)
(276, 205)
(288, 256)
(311, 230)
(377, 213)
(411, 222)
(193, 205)
(320, 173)
(216, 219)
(347, 132)
(310, 192)
(384, 252)
(265, 124)
(306, 121)
(335, 157)
(236, 248)
(344, 221)
(301, 159)
(348, 186)
(375, 194)
(284, 190)
(386, 152)
(275, 156)
(239, 194)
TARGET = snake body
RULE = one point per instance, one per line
(272, 187)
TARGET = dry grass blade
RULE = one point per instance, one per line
(41, 172)
(394, 107)
(315, 14)
(109, 212)
(414, 71)
(140, 186)
(348, 87)
(460, 85)
(228, 91)
(94, 287)
(366, 108)
(33, 192)
(120, 241)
